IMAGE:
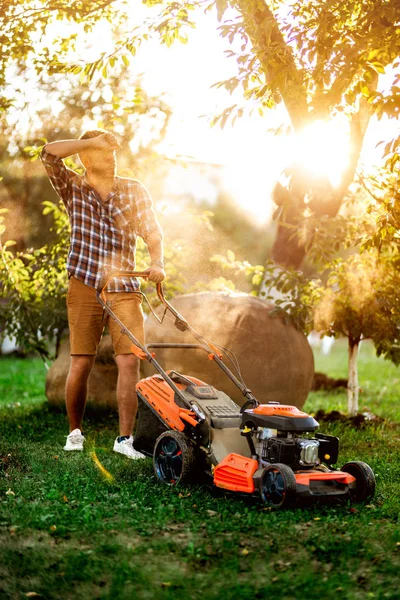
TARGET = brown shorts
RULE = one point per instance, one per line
(86, 318)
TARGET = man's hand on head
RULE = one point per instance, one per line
(106, 141)
(155, 273)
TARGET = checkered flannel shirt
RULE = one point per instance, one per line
(103, 234)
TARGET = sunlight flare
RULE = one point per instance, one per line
(323, 149)
(106, 474)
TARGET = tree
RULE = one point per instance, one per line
(33, 284)
(360, 302)
(318, 57)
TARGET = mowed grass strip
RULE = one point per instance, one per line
(96, 525)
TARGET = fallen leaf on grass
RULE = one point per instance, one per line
(53, 527)
(317, 518)
(180, 495)
(245, 552)
(166, 584)
(33, 595)
(375, 560)
(65, 498)
(55, 457)
(211, 513)
(282, 565)
(9, 492)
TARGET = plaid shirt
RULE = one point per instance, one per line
(103, 233)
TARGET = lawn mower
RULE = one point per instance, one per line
(194, 431)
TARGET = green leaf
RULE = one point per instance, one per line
(222, 5)
(378, 67)
(230, 255)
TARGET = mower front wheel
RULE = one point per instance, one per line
(365, 480)
(173, 457)
(278, 486)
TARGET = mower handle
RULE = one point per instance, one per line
(180, 322)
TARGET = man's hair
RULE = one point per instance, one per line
(92, 133)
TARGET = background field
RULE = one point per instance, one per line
(67, 531)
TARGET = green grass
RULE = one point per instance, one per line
(66, 531)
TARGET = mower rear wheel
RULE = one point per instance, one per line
(278, 486)
(173, 457)
(365, 480)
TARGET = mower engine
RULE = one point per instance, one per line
(296, 452)
(277, 434)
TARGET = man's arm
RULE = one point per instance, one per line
(155, 247)
(65, 148)
(148, 227)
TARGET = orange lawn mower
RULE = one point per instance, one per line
(194, 431)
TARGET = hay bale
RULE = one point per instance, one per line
(102, 383)
(275, 359)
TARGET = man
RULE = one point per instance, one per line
(106, 213)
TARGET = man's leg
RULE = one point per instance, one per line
(128, 376)
(127, 306)
(85, 319)
(76, 389)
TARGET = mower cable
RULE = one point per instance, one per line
(228, 353)
(234, 361)
(160, 320)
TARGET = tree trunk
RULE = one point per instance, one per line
(352, 386)
(292, 238)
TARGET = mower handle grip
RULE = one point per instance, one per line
(105, 280)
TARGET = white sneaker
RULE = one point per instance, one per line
(125, 447)
(74, 440)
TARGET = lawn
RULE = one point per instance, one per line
(67, 530)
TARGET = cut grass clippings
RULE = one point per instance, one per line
(68, 530)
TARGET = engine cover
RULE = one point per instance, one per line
(281, 417)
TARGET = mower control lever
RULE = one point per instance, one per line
(253, 403)
(180, 322)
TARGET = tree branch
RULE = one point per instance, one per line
(276, 58)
